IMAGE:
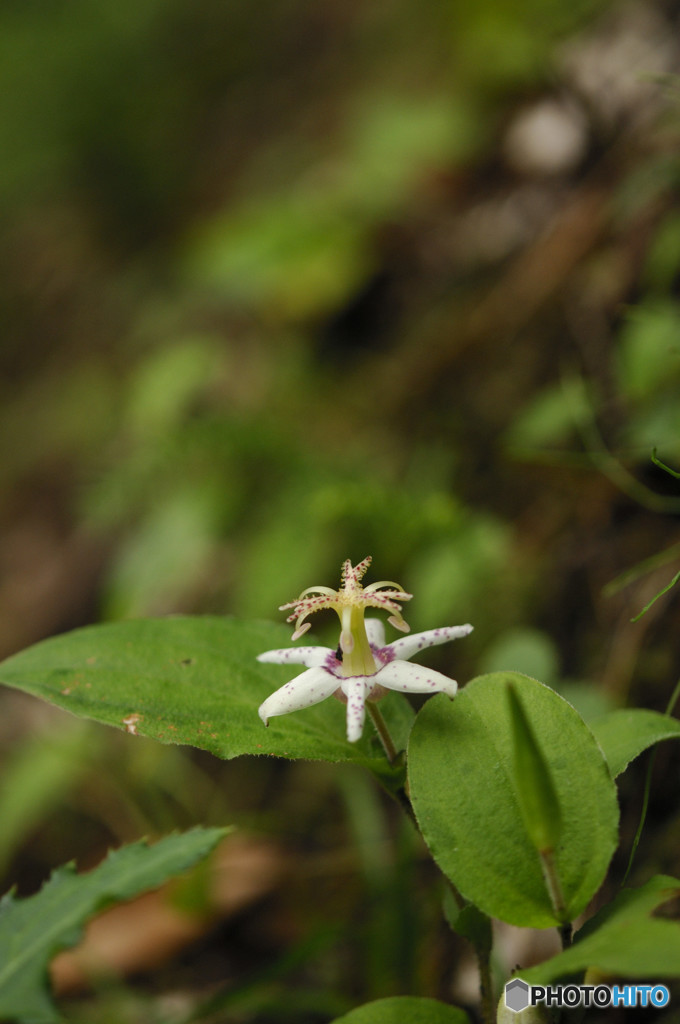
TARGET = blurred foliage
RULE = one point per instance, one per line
(52, 919)
(275, 292)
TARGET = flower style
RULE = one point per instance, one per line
(363, 668)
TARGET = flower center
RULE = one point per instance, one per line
(357, 657)
(350, 602)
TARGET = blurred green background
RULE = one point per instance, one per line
(288, 283)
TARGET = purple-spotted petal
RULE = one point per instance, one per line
(307, 689)
(408, 678)
(311, 657)
(407, 646)
(355, 689)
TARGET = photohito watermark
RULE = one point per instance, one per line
(519, 995)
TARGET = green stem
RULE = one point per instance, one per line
(554, 887)
(566, 932)
(383, 732)
(552, 882)
(486, 987)
(484, 960)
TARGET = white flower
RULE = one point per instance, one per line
(363, 668)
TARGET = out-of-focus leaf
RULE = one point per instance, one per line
(528, 651)
(32, 930)
(296, 254)
(624, 733)
(290, 537)
(404, 1010)
(622, 939)
(306, 250)
(589, 700)
(188, 680)
(394, 139)
(34, 779)
(450, 573)
(463, 791)
(550, 418)
(164, 386)
(164, 557)
(649, 351)
(320, 512)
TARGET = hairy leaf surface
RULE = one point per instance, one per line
(465, 794)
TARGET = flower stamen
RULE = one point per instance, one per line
(350, 602)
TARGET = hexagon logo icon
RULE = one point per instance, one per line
(517, 995)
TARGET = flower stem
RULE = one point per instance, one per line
(383, 732)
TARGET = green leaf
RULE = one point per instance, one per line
(463, 791)
(622, 939)
(33, 930)
(624, 734)
(404, 1010)
(538, 801)
(189, 680)
(550, 418)
(471, 923)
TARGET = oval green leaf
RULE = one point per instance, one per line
(404, 1010)
(625, 733)
(188, 680)
(463, 790)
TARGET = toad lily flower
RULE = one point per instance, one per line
(363, 667)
